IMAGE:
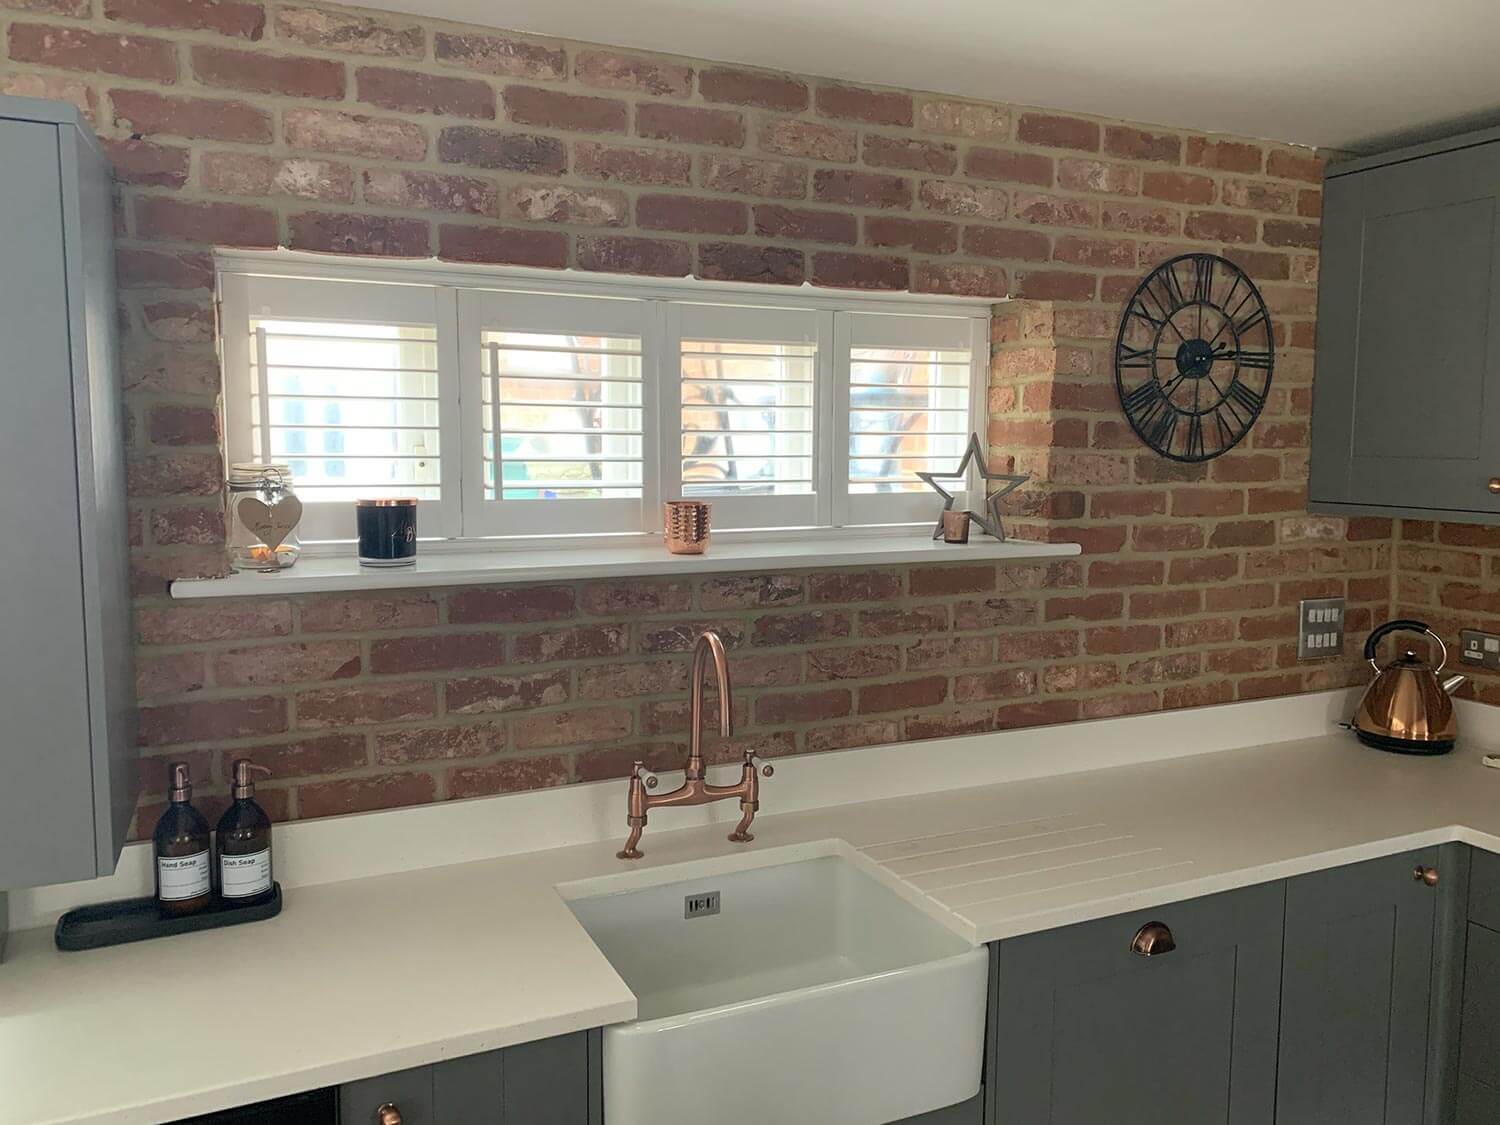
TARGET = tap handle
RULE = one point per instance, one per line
(756, 762)
(648, 779)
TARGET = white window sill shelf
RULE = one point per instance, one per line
(555, 564)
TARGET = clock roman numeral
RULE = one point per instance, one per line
(1160, 430)
(1127, 356)
(1195, 437)
(1203, 280)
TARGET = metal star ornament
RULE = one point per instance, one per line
(975, 455)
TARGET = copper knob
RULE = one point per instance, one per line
(1152, 939)
(1494, 485)
(1428, 875)
(388, 1114)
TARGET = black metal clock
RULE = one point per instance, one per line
(1193, 357)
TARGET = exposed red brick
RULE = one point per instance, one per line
(941, 580)
(508, 605)
(1229, 156)
(1178, 187)
(1139, 218)
(510, 776)
(426, 744)
(287, 75)
(354, 134)
(571, 728)
(903, 695)
(139, 268)
(270, 665)
(163, 676)
(734, 261)
(791, 137)
(191, 525)
(647, 256)
(1057, 131)
(544, 249)
(1138, 144)
(690, 214)
(963, 119)
(778, 179)
(926, 236)
(911, 153)
(172, 724)
(1292, 165)
(1220, 226)
(428, 191)
(490, 694)
(874, 107)
(1101, 253)
(248, 173)
(554, 109)
(365, 705)
(435, 653)
(335, 30)
(800, 628)
(577, 642)
(413, 92)
(1076, 174)
(635, 596)
(960, 280)
(749, 87)
(57, 87)
(1287, 232)
(1009, 166)
(859, 271)
(237, 18)
(661, 166)
(1054, 285)
(76, 48)
(214, 224)
(802, 706)
(804, 224)
(509, 152)
(494, 54)
(690, 125)
(359, 613)
(860, 662)
(77, 9)
(626, 681)
(365, 794)
(359, 234)
(176, 424)
(226, 620)
(994, 613)
(612, 70)
(891, 622)
(1055, 210)
(861, 189)
(1006, 683)
(1258, 195)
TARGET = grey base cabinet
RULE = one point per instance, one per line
(549, 1082)
(1091, 1032)
(1478, 1093)
(1356, 992)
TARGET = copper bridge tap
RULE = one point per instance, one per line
(695, 789)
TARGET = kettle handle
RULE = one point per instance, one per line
(1403, 625)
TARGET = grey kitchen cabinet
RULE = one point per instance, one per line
(1406, 402)
(548, 1082)
(1088, 1031)
(67, 768)
(1477, 1100)
(1357, 982)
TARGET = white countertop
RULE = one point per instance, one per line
(369, 975)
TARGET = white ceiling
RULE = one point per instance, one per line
(1340, 73)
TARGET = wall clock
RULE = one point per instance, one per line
(1193, 357)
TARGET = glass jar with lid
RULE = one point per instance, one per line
(263, 515)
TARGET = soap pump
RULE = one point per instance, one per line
(181, 846)
(245, 840)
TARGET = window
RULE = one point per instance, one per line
(523, 404)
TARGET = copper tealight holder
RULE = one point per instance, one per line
(955, 527)
(685, 525)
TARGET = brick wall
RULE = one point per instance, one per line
(1448, 575)
(237, 122)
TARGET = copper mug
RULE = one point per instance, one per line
(685, 525)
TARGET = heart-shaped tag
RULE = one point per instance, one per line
(271, 523)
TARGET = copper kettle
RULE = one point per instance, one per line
(1406, 708)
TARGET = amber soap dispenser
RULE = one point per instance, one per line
(181, 844)
(245, 841)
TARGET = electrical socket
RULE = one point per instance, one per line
(1320, 628)
(1481, 649)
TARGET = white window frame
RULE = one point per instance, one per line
(463, 519)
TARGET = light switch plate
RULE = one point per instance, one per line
(1320, 628)
(1478, 649)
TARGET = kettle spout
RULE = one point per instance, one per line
(1453, 683)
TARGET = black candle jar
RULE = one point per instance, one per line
(387, 532)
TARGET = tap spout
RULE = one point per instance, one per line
(710, 647)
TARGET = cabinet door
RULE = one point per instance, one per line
(1090, 1032)
(1479, 1039)
(410, 1091)
(1356, 987)
(1406, 403)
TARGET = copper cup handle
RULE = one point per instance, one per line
(1152, 939)
(1428, 875)
(388, 1114)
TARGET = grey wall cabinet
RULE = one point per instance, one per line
(1090, 1032)
(548, 1082)
(1357, 982)
(67, 725)
(1406, 403)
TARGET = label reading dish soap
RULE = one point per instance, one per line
(180, 877)
(241, 876)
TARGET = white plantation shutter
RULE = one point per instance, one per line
(341, 381)
(913, 396)
(557, 434)
(742, 397)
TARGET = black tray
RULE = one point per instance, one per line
(136, 919)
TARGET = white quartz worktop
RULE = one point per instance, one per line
(369, 975)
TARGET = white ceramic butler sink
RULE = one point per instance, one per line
(816, 995)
